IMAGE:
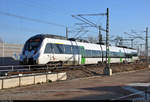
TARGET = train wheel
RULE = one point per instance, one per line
(125, 62)
(60, 63)
(99, 63)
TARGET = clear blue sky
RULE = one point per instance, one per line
(124, 16)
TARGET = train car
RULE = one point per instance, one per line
(51, 49)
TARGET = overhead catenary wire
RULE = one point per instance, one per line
(23, 29)
(31, 19)
(89, 21)
(37, 5)
(83, 21)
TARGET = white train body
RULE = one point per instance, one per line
(43, 49)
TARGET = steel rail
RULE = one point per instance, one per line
(33, 68)
(12, 68)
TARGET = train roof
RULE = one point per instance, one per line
(49, 36)
(58, 37)
(126, 47)
(72, 39)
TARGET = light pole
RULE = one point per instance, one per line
(80, 17)
(107, 39)
(146, 46)
(100, 35)
(107, 70)
(66, 32)
(3, 51)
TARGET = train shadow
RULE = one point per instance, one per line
(8, 61)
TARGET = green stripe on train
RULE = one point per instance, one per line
(82, 60)
(121, 60)
(82, 55)
(109, 59)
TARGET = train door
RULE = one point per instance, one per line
(101, 54)
(58, 52)
(120, 54)
(125, 59)
(82, 55)
(52, 57)
(48, 54)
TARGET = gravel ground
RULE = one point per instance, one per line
(99, 70)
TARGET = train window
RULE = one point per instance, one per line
(85, 53)
(48, 48)
(94, 53)
(67, 49)
(134, 54)
(110, 54)
(58, 48)
(75, 49)
(88, 53)
(118, 54)
(128, 55)
(122, 54)
(115, 54)
(61, 48)
(104, 53)
(32, 44)
(82, 51)
(99, 53)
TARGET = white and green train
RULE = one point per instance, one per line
(46, 49)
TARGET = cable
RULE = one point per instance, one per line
(30, 19)
(18, 28)
(35, 5)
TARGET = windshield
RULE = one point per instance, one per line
(33, 44)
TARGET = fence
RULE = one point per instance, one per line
(31, 79)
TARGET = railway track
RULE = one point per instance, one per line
(29, 69)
